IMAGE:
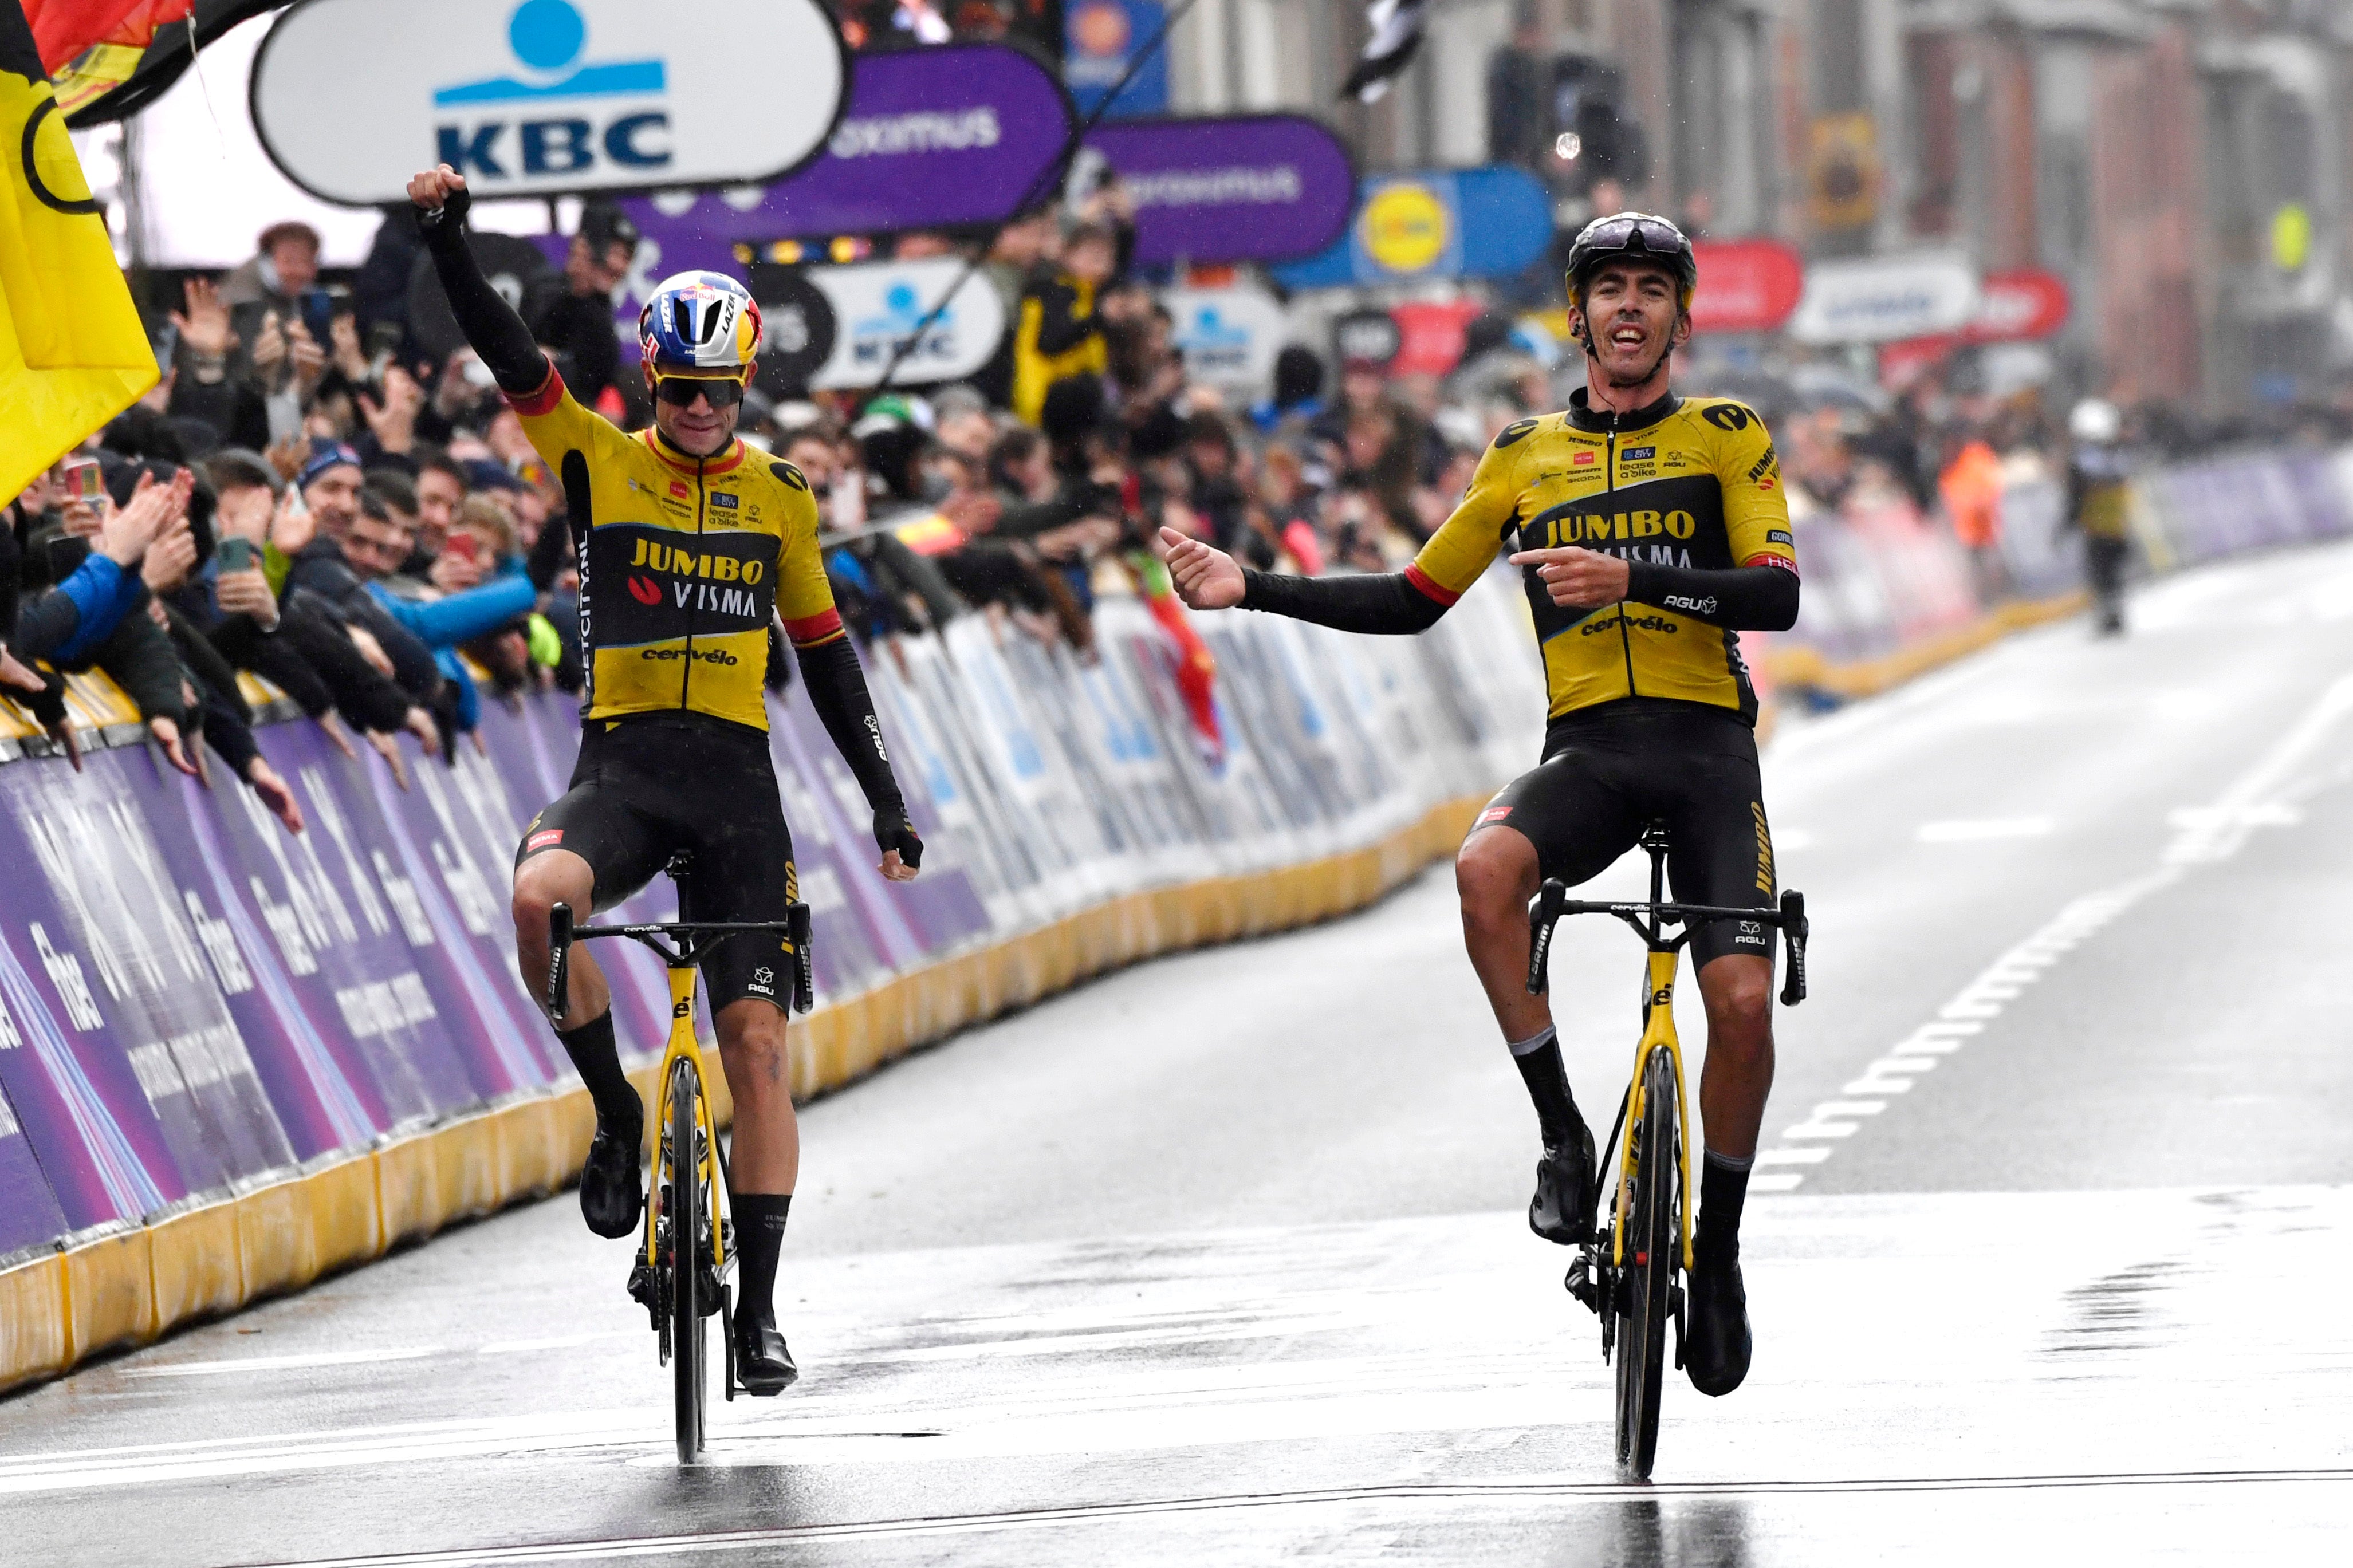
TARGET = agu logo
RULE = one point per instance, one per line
(1405, 226)
(549, 39)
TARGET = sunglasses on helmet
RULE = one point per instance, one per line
(680, 390)
(1658, 237)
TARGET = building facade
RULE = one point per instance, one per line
(2183, 165)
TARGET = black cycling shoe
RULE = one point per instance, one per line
(1567, 1192)
(763, 1365)
(1717, 1355)
(610, 1197)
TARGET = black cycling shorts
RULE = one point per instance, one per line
(1609, 772)
(646, 790)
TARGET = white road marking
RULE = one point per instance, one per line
(1979, 830)
(2203, 835)
(284, 1362)
(1351, 1498)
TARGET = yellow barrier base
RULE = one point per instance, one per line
(128, 1289)
(1869, 676)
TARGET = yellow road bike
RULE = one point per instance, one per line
(680, 1274)
(1631, 1273)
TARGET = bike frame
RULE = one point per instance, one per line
(684, 1047)
(1649, 921)
(1658, 1035)
(695, 939)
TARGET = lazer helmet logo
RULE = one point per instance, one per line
(645, 591)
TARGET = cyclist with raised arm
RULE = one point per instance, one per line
(690, 543)
(1650, 530)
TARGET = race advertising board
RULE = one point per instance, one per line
(1488, 222)
(1245, 187)
(545, 97)
(931, 137)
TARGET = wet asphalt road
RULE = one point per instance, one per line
(1220, 1260)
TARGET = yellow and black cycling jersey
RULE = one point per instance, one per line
(1683, 485)
(681, 562)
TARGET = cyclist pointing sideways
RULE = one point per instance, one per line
(689, 544)
(1650, 529)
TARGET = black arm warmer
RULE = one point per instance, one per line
(489, 323)
(1384, 604)
(1742, 598)
(837, 688)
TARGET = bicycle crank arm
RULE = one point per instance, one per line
(559, 959)
(1795, 930)
(1544, 919)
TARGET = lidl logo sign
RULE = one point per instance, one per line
(543, 97)
(1406, 227)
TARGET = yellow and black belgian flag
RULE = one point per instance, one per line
(72, 352)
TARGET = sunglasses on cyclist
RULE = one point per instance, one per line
(1658, 237)
(680, 390)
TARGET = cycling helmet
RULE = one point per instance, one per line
(1632, 234)
(700, 321)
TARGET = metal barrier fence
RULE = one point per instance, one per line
(232, 1058)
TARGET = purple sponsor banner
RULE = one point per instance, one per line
(532, 749)
(319, 1102)
(30, 1214)
(455, 835)
(355, 928)
(942, 904)
(1244, 187)
(848, 958)
(150, 988)
(77, 1096)
(931, 137)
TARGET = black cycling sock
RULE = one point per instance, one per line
(1723, 1188)
(597, 1058)
(1538, 1059)
(759, 1239)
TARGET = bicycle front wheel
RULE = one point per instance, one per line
(1646, 1280)
(683, 1199)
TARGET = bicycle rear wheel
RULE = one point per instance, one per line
(683, 1199)
(1646, 1279)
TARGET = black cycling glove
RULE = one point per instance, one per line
(893, 831)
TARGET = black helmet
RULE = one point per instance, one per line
(1633, 234)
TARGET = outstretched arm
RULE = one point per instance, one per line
(836, 689)
(489, 323)
(1741, 598)
(1389, 604)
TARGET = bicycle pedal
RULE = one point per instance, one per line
(1580, 1284)
(645, 1290)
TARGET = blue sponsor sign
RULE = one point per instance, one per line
(1488, 222)
(1100, 38)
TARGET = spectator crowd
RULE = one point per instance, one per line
(314, 495)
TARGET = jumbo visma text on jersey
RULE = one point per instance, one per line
(1692, 482)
